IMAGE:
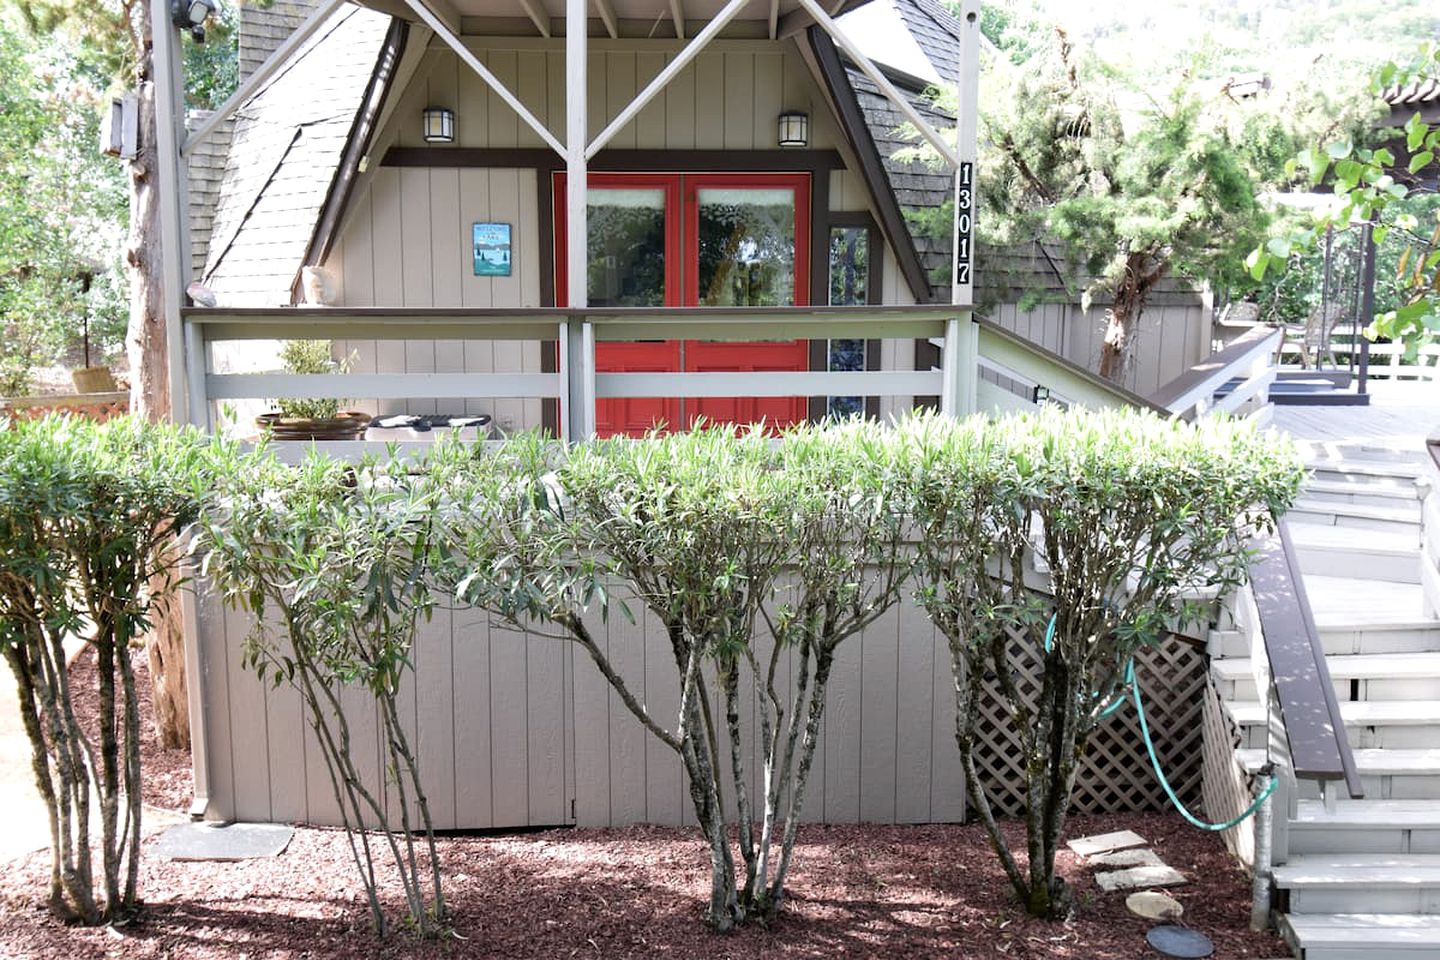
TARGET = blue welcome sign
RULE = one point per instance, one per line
(492, 249)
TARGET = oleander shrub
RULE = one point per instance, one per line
(1139, 521)
(84, 510)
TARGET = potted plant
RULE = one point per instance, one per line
(311, 418)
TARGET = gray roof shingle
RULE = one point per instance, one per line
(286, 147)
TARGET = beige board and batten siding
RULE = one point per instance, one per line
(513, 730)
(1169, 339)
(405, 239)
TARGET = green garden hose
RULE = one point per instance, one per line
(1134, 683)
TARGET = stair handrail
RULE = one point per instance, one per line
(1249, 357)
(1309, 709)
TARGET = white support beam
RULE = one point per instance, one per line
(607, 17)
(824, 21)
(672, 69)
(959, 367)
(536, 12)
(579, 344)
(966, 180)
(262, 74)
(774, 17)
(677, 14)
(446, 12)
(473, 62)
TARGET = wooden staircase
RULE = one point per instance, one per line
(1359, 878)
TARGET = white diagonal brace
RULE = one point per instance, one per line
(677, 13)
(824, 22)
(681, 61)
(473, 62)
(774, 17)
(607, 17)
(537, 16)
(261, 76)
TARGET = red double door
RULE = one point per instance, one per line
(669, 240)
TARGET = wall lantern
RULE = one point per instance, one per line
(439, 125)
(794, 129)
(1041, 394)
(191, 15)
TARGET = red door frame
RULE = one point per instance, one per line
(682, 198)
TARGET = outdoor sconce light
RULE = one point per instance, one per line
(439, 125)
(794, 129)
(191, 15)
(1040, 394)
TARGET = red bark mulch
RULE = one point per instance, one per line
(856, 891)
(167, 777)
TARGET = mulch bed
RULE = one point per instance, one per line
(855, 891)
(168, 778)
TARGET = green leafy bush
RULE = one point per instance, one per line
(745, 551)
(83, 511)
(1138, 522)
(309, 356)
(334, 562)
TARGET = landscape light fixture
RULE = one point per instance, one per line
(794, 129)
(191, 15)
(439, 125)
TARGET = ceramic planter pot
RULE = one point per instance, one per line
(347, 426)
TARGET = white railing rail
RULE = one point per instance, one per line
(1236, 380)
(206, 327)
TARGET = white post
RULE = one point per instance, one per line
(174, 214)
(580, 352)
(962, 338)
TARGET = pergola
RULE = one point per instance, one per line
(695, 21)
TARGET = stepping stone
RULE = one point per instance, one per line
(1105, 843)
(1154, 906)
(222, 841)
(1139, 878)
(1134, 857)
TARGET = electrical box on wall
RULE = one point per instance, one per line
(120, 127)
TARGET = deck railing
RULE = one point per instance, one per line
(966, 345)
(1236, 380)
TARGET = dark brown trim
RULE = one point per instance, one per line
(627, 161)
(872, 170)
(362, 132)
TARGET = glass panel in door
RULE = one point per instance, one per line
(632, 238)
(748, 249)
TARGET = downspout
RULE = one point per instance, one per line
(1260, 883)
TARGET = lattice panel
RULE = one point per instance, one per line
(1115, 775)
(1227, 789)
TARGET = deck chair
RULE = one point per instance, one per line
(1319, 326)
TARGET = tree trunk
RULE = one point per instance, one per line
(148, 352)
(1117, 354)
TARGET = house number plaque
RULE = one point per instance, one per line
(964, 223)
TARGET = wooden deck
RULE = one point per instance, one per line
(1400, 415)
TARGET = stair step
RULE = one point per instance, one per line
(1361, 883)
(1357, 516)
(1391, 774)
(1375, 676)
(1369, 555)
(1363, 936)
(1366, 826)
(1340, 491)
(1332, 468)
(1370, 724)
